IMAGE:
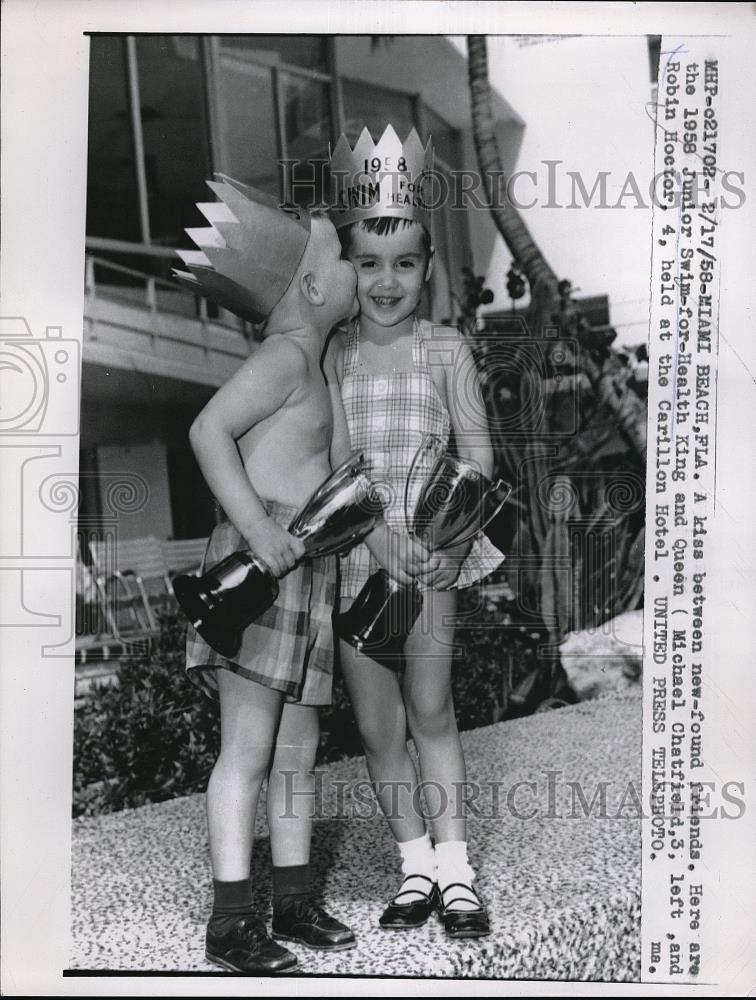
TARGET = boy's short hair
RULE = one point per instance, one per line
(385, 225)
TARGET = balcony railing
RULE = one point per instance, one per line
(152, 289)
(136, 317)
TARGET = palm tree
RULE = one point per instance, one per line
(611, 440)
(546, 302)
(508, 221)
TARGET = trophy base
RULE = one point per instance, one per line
(220, 606)
(193, 602)
(380, 620)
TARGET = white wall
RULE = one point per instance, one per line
(584, 101)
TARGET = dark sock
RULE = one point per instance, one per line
(290, 882)
(231, 900)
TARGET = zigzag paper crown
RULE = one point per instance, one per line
(387, 178)
(250, 252)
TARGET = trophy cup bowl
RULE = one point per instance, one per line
(454, 502)
(230, 595)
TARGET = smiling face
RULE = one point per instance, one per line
(391, 271)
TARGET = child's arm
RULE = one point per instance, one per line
(464, 399)
(256, 391)
(403, 558)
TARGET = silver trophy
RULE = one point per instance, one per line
(229, 596)
(444, 505)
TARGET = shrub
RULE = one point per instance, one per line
(150, 737)
(154, 735)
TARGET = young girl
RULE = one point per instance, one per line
(401, 379)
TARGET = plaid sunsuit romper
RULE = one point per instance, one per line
(289, 647)
(388, 417)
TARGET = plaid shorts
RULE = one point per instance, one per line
(290, 646)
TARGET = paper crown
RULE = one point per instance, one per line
(249, 254)
(387, 178)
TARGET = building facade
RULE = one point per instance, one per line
(165, 112)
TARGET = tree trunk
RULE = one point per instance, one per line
(508, 221)
(544, 293)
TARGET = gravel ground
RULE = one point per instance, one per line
(563, 889)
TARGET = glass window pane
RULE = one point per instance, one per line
(457, 228)
(451, 239)
(443, 277)
(444, 137)
(307, 127)
(366, 105)
(176, 148)
(308, 51)
(112, 201)
(247, 120)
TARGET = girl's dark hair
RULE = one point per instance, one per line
(386, 225)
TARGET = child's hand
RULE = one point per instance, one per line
(443, 574)
(274, 545)
(402, 557)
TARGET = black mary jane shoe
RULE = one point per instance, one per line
(463, 923)
(403, 916)
(303, 921)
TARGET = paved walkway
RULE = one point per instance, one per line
(563, 889)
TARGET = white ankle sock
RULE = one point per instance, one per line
(453, 866)
(417, 859)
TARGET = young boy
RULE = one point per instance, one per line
(263, 443)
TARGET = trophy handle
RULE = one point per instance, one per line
(497, 495)
(434, 445)
(492, 501)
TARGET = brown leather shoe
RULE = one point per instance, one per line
(463, 923)
(403, 916)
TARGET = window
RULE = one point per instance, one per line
(247, 124)
(307, 51)
(307, 129)
(445, 138)
(112, 196)
(269, 113)
(450, 232)
(176, 153)
(375, 107)
(451, 239)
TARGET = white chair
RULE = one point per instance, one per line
(133, 579)
(184, 555)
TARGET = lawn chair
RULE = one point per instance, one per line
(184, 555)
(133, 580)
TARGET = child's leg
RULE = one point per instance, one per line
(250, 714)
(291, 800)
(382, 722)
(379, 710)
(433, 725)
(236, 938)
(291, 788)
(430, 713)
